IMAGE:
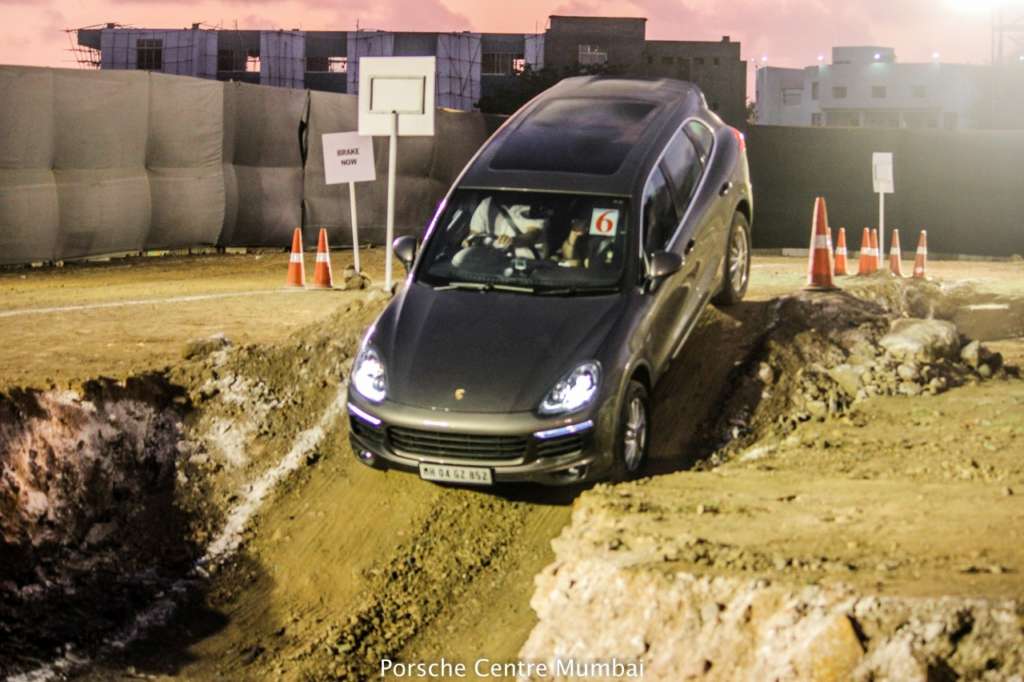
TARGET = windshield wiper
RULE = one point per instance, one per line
(477, 286)
(484, 286)
(578, 291)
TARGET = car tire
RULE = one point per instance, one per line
(632, 434)
(736, 276)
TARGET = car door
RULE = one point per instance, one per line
(694, 236)
(713, 200)
(660, 222)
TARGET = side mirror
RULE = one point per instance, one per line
(405, 250)
(664, 263)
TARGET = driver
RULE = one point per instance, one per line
(505, 228)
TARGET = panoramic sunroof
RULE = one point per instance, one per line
(578, 135)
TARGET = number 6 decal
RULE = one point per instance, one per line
(604, 222)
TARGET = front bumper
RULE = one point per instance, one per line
(519, 447)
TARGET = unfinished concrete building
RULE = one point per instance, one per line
(469, 65)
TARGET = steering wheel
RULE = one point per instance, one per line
(511, 250)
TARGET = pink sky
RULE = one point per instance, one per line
(790, 32)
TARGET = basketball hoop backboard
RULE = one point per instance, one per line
(401, 85)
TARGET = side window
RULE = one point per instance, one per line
(702, 138)
(660, 218)
(683, 166)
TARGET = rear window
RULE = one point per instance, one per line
(576, 135)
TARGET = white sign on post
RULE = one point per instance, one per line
(348, 157)
(881, 165)
(885, 183)
(396, 97)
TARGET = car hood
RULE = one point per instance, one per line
(502, 352)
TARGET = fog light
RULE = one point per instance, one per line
(366, 456)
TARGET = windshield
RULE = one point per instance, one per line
(534, 241)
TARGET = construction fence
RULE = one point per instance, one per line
(965, 187)
(101, 162)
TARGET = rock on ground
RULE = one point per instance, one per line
(921, 340)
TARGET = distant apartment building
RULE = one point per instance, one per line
(470, 65)
(866, 87)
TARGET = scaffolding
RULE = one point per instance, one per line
(280, 57)
(458, 70)
(84, 56)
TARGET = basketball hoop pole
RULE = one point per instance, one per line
(392, 162)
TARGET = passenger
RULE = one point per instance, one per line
(574, 247)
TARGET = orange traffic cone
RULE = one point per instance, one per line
(895, 256)
(922, 256)
(322, 278)
(864, 258)
(840, 259)
(819, 264)
(876, 257)
(296, 268)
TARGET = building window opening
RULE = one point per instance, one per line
(878, 92)
(227, 60)
(791, 97)
(501, 64)
(149, 54)
(324, 64)
(592, 55)
(839, 92)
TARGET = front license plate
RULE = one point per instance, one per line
(450, 474)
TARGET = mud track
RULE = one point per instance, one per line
(342, 565)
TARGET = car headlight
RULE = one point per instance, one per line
(368, 375)
(573, 391)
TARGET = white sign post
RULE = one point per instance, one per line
(882, 175)
(396, 97)
(348, 157)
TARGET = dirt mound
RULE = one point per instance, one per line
(684, 626)
(824, 352)
(112, 492)
(853, 525)
(250, 402)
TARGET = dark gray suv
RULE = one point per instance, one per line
(559, 277)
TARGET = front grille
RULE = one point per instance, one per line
(448, 444)
(562, 445)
